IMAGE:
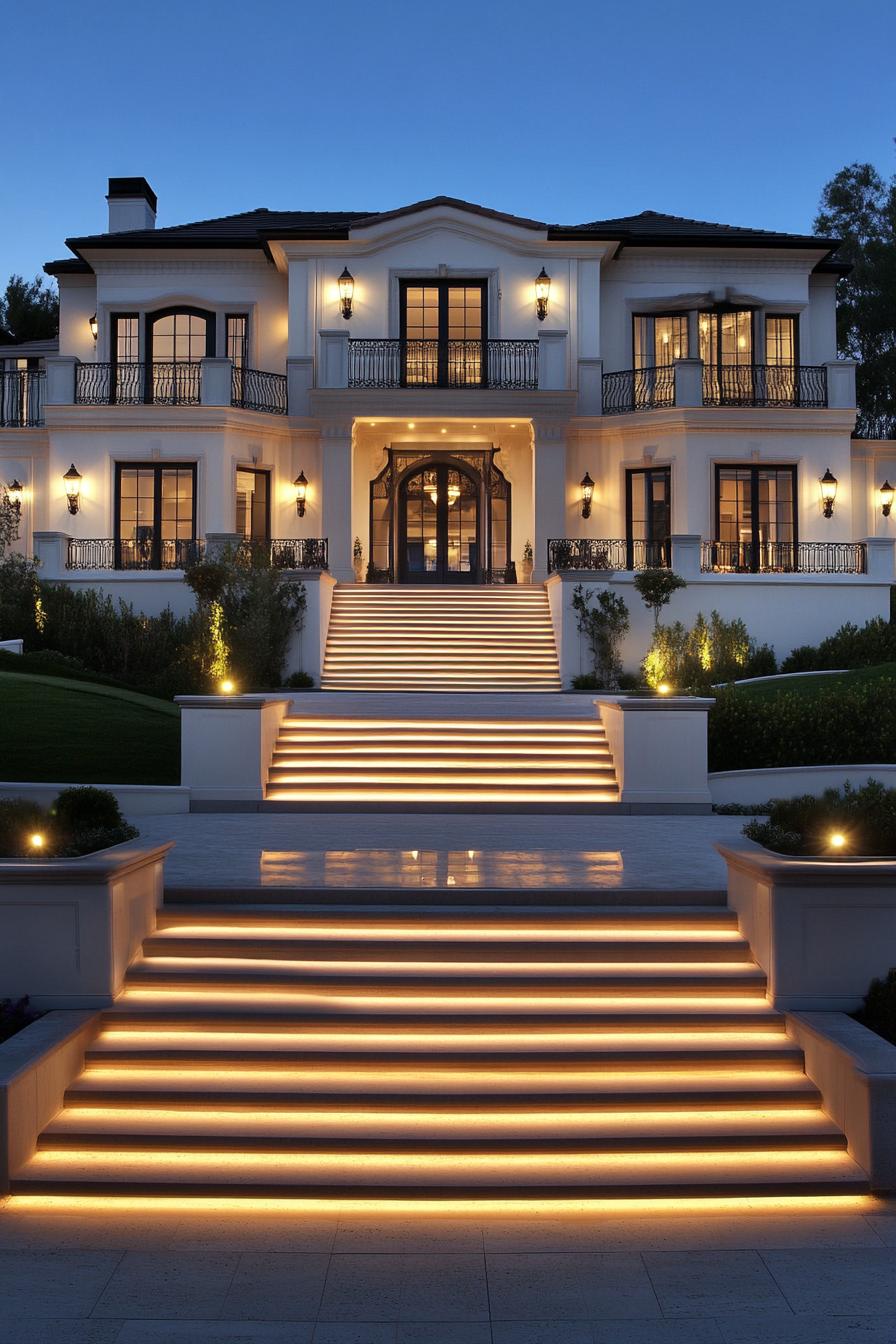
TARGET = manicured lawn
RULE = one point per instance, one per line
(815, 685)
(73, 732)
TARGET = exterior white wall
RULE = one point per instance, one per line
(758, 786)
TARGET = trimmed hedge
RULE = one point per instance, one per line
(80, 821)
(850, 646)
(842, 725)
(866, 817)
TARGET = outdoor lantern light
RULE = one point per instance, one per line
(301, 486)
(828, 485)
(346, 292)
(15, 488)
(226, 687)
(886, 498)
(72, 480)
(94, 326)
(36, 840)
(587, 495)
(542, 294)
(837, 840)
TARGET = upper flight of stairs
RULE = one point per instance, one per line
(339, 1052)
(386, 638)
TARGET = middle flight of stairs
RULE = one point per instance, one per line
(383, 637)
(342, 1051)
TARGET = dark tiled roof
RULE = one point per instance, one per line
(254, 229)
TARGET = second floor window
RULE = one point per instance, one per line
(442, 330)
(237, 350)
(659, 339)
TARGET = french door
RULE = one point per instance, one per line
(443, 332)
(438, 526)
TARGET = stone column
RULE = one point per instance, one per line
(336, 496)
(687, 555)
(842, 383)
(879, 551)
(548, 490)
(552, 361)
(299, 375)
(51, 552)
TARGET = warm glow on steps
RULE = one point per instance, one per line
(608, 1059)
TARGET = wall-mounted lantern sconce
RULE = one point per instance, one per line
(828, 485)
(94, 327)
(72, 480)
(301, 486)
(886, 498)
(542, 294)
(587, 495)
(14, 492)
(346, 292)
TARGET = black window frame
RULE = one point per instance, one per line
(243, 317)
(671, 312)
(791, 317)
(443, 284)
(664, 543)
(157, 468)
(181, 310)
(754, 468)
(258, 471)
(133, 390)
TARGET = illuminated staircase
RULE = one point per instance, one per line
(560, 763)
(561, 1051)
(386, 638)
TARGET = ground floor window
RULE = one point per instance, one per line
(253, 509)
(155, 515)
(756, 517)
(648, 516)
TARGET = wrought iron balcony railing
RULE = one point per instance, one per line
(765, 385)
(257, 390)
(638, 389)
(458, 364)
(161, 383)
(148, 553)
(784, 557)
(22, 398)
(593, 553)
(300, 553)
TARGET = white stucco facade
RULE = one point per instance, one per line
(549, 400)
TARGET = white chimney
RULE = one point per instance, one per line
(132, 204)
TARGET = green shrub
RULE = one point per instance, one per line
(839, 725)
(850, 646)
(603, 626)
(14, 1015)
(710, 653)
(19, 593)
(866, 817)
(20, 818)
(878, 1012)
(299, 681)
(85, 808)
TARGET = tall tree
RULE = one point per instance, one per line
(858, 206)
(29, 310)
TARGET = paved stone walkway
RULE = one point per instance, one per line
(365, 849)
(239, 1277)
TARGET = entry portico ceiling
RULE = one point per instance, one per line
(258, 229)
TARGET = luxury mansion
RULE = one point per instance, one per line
(443, 394)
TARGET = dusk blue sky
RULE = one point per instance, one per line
(564, 111)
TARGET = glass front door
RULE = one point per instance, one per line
(438, 526)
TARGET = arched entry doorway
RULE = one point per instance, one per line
(440, 518)
(438, 525)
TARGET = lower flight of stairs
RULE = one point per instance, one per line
(510, 763)
(340, 1052)
(386, 638)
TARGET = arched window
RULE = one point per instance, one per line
(176, 340)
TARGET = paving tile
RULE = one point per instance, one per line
(714, 1283)
(363, 1288)
(792, 1329)
(65, 1284)
(354, 1332)
(836, 1283)
(568, 1287)
(443, 1287)
(270, 1286)
(18, 1330)
(411, 1234)
(150, 1284)
(542, 1332)
(883, 1228)
(149, 1231)
(690, 1331)
(674, 1232)
(216, 1332)
(444, 1332)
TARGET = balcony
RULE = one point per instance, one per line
(22, 398)
(765, 385)
(154, 554)
(180, 383)
(590, 553)
(508, 365)
(784, 557)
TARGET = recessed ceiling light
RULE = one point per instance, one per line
(444, 431)
(513, 426)
(411, 424)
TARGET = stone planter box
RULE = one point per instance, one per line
(70, 927)
(659, 749)
(820, 928)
